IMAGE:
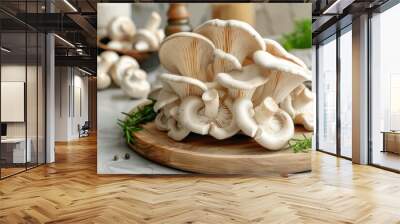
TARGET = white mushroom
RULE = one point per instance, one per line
(269, 125)
(121, 28)
(118, 69)
(119, 45)
(134, 83)
(299, 105)
(108, 58)
(160, 35)
(103, 79)
(187, 54)
(284, 76)
(148, 39)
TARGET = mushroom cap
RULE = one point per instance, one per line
(109, 58)
(232, 36)
(121, 28)
(165, 97)
(284, 77)
(119, 45)
(103, 80)
(147, 37)
(134, 83)
(225, 62)
(242, 83)
(183, 86)
(277, 50)
(187, 54)
(118, 69)
(299, 105)
(191, 117)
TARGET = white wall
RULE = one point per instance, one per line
(69, 85)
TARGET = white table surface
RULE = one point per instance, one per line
(110, 142)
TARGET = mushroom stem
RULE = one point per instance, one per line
(265, 111)
(154, 22)
(304, 95)
(211, 102)
(189, 117)
(176, 131)
(243, 114)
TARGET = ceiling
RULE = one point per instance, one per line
(73, 20)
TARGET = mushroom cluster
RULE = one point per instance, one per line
(124, 71)
(224, 79)
(124, 36)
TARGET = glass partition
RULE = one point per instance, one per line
(22, 101)
(327, 96)
(385, 89)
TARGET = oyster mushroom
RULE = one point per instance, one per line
(284, 76)
(176, 131)
(184, 86)
(187, 54)
(121, 28)
(277, 50)
(233, 37)
(134, 83)
(269, 125)
(224, 125)
(148, 39)
(299, 105)
(191, 115)
(242, 83)
(225, 62)
(119, 68)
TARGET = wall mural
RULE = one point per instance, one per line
(204, 91)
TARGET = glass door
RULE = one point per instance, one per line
(385, 89)
(346, 92)
(327, 96)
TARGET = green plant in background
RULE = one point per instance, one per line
(300, 145)
(300, 38)
(135, 120)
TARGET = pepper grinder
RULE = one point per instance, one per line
(178, 19)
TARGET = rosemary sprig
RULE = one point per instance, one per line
(300, 145)
(135, 120)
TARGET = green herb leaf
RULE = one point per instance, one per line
(135, 120)
(300, 145)
(300, 38)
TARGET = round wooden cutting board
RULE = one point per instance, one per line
(206, 155)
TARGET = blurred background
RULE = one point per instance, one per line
(290, 24)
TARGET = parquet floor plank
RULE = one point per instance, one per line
(70, 191)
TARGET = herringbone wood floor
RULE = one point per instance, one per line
(70, 191)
